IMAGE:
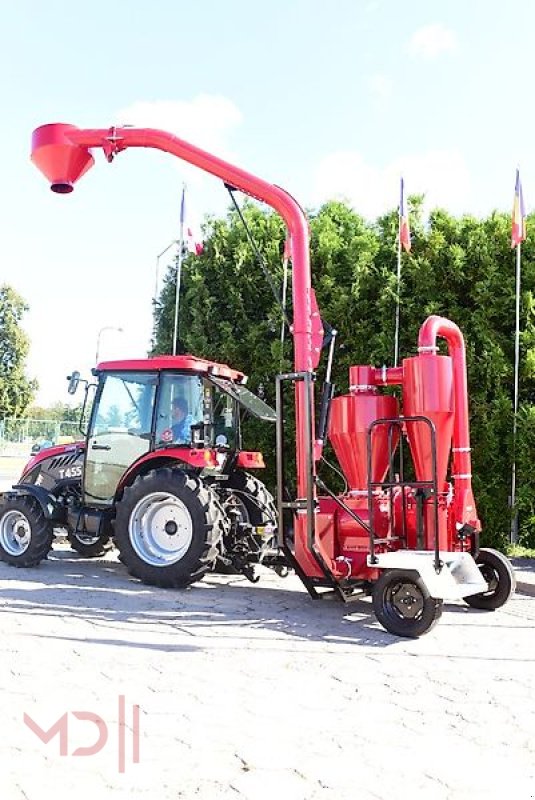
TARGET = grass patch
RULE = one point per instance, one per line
(518, 551)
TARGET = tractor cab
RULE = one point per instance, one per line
(179, 407)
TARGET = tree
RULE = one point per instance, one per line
(57, 411)
(460, 268)
(16, 391)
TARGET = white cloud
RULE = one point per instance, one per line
(205, 121)
(441, 175)
(431, 40)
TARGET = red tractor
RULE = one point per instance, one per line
(161, 471)
(404, 530)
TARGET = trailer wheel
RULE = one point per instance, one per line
(403, 605)
(497, 571)
(89, 545)
(167, 527)
(25, 533)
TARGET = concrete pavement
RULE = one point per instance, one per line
(525, 575)
(255, 692)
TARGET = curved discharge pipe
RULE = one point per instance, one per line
(62, 154)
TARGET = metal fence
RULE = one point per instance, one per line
(22, 433)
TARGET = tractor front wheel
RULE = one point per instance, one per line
(403, 605)
(497, 571)
(25, 533)
(167, 528)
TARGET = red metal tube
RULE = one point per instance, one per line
(388, 376)
(49, 139)
(432, 328)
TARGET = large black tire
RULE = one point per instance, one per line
(255, 504)
(90, 545)
(167, 528)
(25, 533)
(258, 501)
(403, 605)
(496, 569)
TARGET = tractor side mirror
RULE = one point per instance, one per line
(74, 380)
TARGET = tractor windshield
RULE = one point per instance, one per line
(120, 431)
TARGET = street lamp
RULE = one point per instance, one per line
(101, 331)
(169, 246)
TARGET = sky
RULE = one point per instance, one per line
(328, 100)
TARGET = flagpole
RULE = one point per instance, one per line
(179, 269)
(514, 511)
(398, 294)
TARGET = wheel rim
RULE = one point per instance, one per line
(160, 529)
(490, 576)
(15, 533)
(405, 600)
(87, 538)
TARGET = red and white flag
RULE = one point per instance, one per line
(518, 222)
(191, 231)
(404, 227)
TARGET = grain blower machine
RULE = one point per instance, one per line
(406, 529)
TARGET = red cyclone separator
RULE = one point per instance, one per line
(433, 327)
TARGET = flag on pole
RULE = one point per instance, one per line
(192, 234)
(404, 227)
(518, 226)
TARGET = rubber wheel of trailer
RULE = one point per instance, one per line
(25, 533)
(403, 605)
(497, 571)
(90, 545)
(167, 528)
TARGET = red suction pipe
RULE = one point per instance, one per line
(60, 151)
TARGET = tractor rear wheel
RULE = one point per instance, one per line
(25, 533)
(403, 605)
(497, 571)
(167, 528)
(249, 499)
(90, 545)
(259, 503)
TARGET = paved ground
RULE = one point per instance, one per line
(256, 692)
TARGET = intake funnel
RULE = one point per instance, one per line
(55, 155)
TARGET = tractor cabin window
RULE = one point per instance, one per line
(180, 406)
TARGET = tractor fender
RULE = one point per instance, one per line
(50, 505)
(155, 460)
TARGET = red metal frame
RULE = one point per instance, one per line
(61, 152)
